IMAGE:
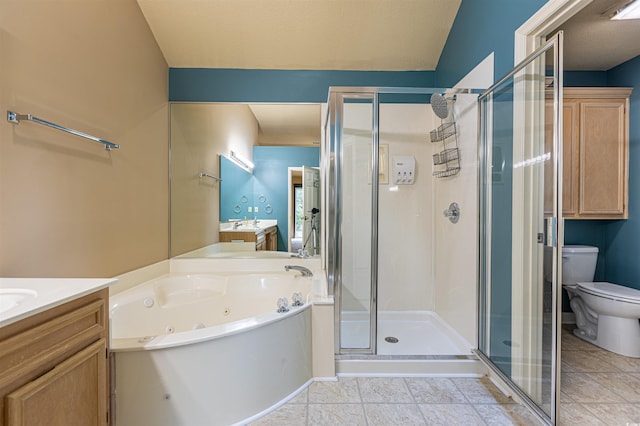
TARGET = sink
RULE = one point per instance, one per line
(13, 297)
(249, 229)
(242, 228)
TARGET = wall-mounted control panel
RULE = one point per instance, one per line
(404, 170)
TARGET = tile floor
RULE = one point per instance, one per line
(400, 401)
(598, 388)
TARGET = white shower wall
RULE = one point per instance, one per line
(456, 254)
(405, 243)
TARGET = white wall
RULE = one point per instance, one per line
(199, 133)
(68, 208)
(405, 243)
(456, 245)
(405, 213)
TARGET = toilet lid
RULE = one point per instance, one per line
(611, 291)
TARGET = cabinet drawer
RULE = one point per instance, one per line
(52, 340)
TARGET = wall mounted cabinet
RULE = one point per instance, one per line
(595, 152)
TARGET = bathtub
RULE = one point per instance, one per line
(208, 349)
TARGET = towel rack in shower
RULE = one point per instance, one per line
(15, 118)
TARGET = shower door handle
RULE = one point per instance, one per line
(550, 235)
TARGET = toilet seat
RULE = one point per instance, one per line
(611, 291)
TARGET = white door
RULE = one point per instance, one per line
(311, 209)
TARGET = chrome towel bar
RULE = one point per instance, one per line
(15, 118)
(203, 174)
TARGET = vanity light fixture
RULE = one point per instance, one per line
(627, 10)
(241, 161)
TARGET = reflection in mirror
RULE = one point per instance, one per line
(257, 205)
(304, 210)
(236, 193)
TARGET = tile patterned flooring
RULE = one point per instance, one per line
(400, 401)
(598, 388)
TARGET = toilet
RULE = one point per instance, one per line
(607, 314)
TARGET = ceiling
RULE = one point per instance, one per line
(301, 34)
(593, 42)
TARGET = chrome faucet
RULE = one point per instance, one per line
(303, 254)
(236, 224)
(306, 272)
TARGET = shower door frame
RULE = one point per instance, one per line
(336, 104)
(551, 236)
(333, 126)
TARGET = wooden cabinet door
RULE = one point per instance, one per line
(603, 156)
(272, 240)
(570, 157)
(73, 393)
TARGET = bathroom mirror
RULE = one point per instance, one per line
(274, 137)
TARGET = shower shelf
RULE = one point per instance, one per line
(443, 157)
(450, 171)
(447, 160)
(443, 132)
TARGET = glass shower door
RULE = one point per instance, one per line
(520, 118)
(355, 217)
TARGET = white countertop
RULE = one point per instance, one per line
(39, 294)
(248, 225)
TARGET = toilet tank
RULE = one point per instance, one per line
(578, 264)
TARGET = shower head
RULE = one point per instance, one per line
(439, 105)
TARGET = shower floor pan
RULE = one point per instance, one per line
(426, 345)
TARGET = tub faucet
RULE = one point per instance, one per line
(306, 272)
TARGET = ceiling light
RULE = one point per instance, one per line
(630, 10)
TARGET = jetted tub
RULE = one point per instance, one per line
(208, 349)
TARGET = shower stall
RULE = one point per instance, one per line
(403, 274)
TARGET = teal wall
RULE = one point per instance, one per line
(482, 27)
(236, 191)
(238, 85)
(585, 78)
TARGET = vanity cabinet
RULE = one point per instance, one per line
(595, 152)
(266, 239)
(271, 238)
(54, 365)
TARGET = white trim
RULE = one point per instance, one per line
(528, 37)
(530, 34)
